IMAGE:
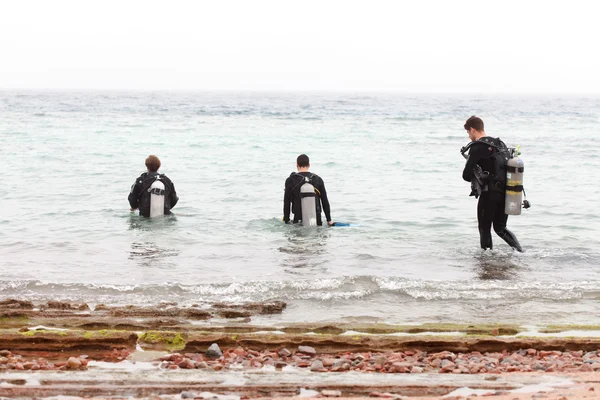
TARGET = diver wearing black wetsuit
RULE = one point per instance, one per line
(292, 193)
(139, 196)
(490, 208)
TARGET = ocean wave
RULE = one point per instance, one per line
(319, 289)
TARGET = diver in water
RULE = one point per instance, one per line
(485, 167)
(142, 190)
(303, 185)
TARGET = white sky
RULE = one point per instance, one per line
(525, 46)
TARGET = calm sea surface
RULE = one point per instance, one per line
(391, 165)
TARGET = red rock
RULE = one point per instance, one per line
(173, 366)
(28, 365)
(401, 367)
(240, 352)
(73, 363)
(444, 355)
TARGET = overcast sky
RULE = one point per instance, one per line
(404, 45)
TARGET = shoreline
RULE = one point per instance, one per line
(62, 348)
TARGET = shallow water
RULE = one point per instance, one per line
(391, 165)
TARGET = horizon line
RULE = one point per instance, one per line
(291, 91)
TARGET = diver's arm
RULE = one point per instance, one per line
(174, 197)
(325, 202)
(476, 154)
(287, 199)
(134, 194)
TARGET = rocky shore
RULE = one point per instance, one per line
(65, 348)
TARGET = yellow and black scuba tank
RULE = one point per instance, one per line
(514, 185)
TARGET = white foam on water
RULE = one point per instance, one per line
(308, 393)
(467, 391)
(46, 328)
(123, 365)
(354, 333)
(268, 333)
(573, 333)
(543, 387)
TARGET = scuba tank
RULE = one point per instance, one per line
(514, 185)
(157, 199)
(308, 200)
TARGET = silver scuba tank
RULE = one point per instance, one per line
(157, 199)
(514, 186)
(308, 199)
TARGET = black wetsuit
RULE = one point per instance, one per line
(139, 197)
(490, 209)
(292, 196)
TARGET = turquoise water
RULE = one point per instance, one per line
(391, 165)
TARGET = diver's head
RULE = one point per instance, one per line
(152, 163)
(474, 128)
(302, 163)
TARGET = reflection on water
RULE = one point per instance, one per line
(149, 254)
(146, 224)
(495, 266)
(306, 248)
(145, 251)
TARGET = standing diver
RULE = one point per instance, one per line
(485, 167)
(306, 188)
(152, 185)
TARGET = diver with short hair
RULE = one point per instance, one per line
(142, 190)
(489, 183)
(293, 194)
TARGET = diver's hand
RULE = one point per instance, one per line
(330, 223)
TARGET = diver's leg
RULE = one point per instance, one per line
(500, 228)
(485, 216)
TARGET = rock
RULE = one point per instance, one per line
(28, 365)
(201, 365)
(416, 370)
(328, 362)
(280, 364)
(401, 367)
(331, 393)
(20, 304)
(307, 350)
(187, 364)
(317, 365)
(73, 363)
(444, 355)
(5, 353)
(214, 351)
(380, 360)
(447, 366)
(284, 352)
(341, 366)
(189, 395)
